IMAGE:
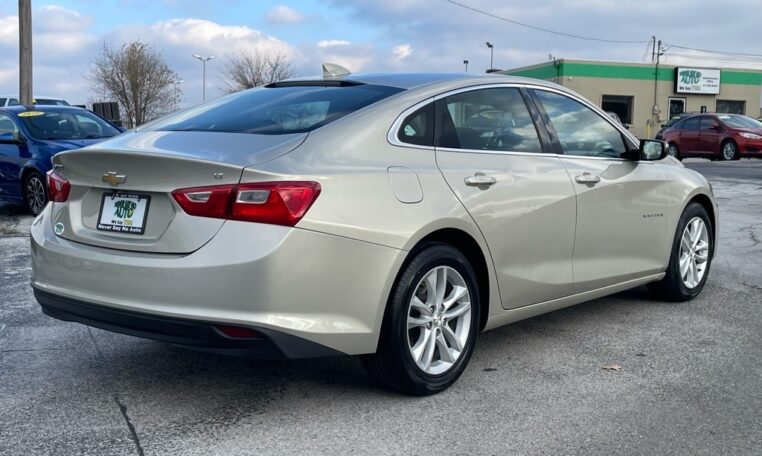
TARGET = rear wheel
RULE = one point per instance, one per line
(431, 324)
(729, 150)
(691, 256)
(35, 192)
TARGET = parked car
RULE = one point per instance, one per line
(38, 101)
(660, 134)
(715, 136)
(393, 216)
(615, 116)
(28, 140)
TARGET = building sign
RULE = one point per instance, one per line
(697, 80)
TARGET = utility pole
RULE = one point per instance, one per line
(25, 52)
(655, 109)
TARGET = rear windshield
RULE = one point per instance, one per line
(275, 110)
(737, 121)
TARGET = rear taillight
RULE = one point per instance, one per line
(278, 203)
(58, 188)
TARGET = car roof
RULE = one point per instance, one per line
(416, 80)
(49, 108)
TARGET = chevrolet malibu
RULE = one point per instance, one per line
(393, 216)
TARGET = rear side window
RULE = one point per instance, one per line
(487, 119)
(418, 127)
(276, 110)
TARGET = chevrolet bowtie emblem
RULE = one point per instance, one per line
(113, 178)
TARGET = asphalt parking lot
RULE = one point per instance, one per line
(691, 382)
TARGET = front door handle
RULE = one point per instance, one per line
(587, 178)
(480, 180)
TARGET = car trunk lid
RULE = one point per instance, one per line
(147, 167)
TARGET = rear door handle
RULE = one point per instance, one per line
(587, 178)
(480, 180)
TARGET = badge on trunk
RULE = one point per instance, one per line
(113, 178)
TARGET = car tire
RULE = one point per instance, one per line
(729, 150)
(395, 364)
(673, 150)
(35, 192)
(681, 284)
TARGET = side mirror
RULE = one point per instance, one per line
(11, 138)
(652, 150)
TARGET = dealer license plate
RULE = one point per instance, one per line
(124, 213)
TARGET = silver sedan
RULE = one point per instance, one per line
(393, 216)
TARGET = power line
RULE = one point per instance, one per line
(541, 29)
(707, 51)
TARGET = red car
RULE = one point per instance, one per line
(715, 136)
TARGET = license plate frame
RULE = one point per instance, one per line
(125, 229)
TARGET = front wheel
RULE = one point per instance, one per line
(691, 256)
(729, 151)
(35, 192)
(674, 151)
(431, 324)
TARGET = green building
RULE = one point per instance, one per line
(643, 98)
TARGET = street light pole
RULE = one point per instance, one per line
(465, 62)
(25, 52)
(491, 54)
(203, 64)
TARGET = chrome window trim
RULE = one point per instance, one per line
(392, 138)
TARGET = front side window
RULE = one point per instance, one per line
(275, 110)
(487, 119)
(708, 124)
(580, 130)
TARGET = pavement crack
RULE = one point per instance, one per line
(133, 433)
(95, 344)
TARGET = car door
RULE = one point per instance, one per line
(710, 136)
(689, 136)
(10, 161)
(621, 229)
(491, 154)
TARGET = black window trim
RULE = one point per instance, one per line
(391, 135)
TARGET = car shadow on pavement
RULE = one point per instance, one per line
(160, 370)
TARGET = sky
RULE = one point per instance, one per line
(367, 35)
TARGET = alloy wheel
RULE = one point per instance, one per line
(729, 151)
(672, 150)
(35, 194)
(694, 252)
(439, 320)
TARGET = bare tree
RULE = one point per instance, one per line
(138, 78)
(253, 69)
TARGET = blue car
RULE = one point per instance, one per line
(30, 138)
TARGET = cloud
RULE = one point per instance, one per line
(402, 51)
(330, 43)
(282, 14)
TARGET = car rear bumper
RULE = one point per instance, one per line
(194, 334)
(324, 289)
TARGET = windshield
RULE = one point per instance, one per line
(276, 110)
(49, 102)
(66, 125)
(737, 121)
